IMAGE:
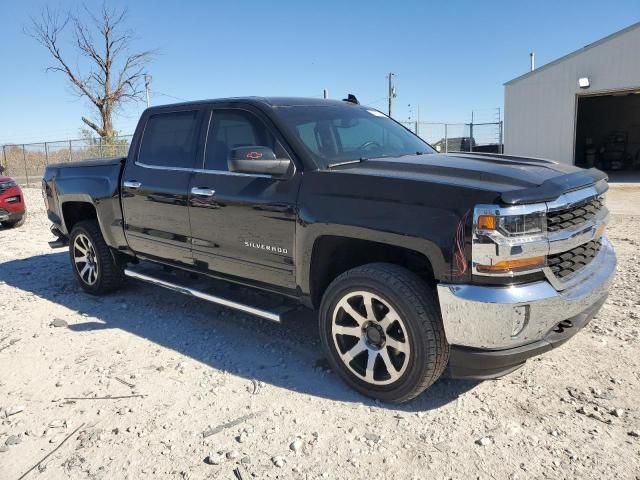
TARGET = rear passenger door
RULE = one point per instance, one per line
(155, 184)
(246, 226)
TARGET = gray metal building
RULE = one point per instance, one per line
(583, 108)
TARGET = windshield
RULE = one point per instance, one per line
(340, 133)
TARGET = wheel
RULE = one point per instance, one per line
(381, 328)
(15, 223)
(93, 265)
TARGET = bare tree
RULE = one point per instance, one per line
(114, 75)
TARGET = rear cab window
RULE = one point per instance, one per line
(170, 139)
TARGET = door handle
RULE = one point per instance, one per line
(131, 184)
(203, 192)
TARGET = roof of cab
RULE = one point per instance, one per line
(264, 101)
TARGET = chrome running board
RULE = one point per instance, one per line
(273, 316)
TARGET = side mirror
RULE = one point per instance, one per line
(258, 161)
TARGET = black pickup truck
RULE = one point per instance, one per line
(416, 262)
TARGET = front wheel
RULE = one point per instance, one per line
(94, 267)
(381, 327)
(15, 223)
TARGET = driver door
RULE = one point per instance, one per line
(243, 224)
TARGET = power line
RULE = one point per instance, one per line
(169, 96)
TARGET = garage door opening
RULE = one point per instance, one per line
(608, 132)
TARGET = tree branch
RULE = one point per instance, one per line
(115, 74)
(46, 32)
(99, 130)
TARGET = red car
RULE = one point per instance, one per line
(12, 208)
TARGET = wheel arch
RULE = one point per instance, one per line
(74, 211)
(330, 254)
(76, 207)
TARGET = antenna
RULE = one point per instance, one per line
(532, 61)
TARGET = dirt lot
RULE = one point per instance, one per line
(261, 394)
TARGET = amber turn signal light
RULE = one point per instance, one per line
(487, 222)
(512, 265)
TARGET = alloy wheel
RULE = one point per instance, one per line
(84, 258)
(370, 337)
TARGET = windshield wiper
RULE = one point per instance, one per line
(348, 162)
(409, 154)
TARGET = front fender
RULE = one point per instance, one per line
(309, 234)
(403, 212)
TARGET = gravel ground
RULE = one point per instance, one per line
(219, 390)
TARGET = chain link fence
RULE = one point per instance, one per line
(26, 162)
(460, 137)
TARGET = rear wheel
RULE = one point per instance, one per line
(381, 327)
(93, 265)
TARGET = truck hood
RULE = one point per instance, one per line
(516, 179)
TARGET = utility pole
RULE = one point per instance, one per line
(147, 82)
(392, 91)
(471, 133)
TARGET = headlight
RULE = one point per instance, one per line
(514, 225)
(509, 240)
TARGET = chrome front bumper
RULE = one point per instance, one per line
(507, 317)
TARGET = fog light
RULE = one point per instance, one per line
(521, 319)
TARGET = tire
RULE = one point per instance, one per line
(406, 317)
(15, 223)
(101, 274)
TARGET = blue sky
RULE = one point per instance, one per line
(449, 57)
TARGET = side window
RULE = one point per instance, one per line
(307, 132)
(229, 129)
(170, 140)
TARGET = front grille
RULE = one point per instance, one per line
(568, 263)
(3, 212)
(576, 214)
